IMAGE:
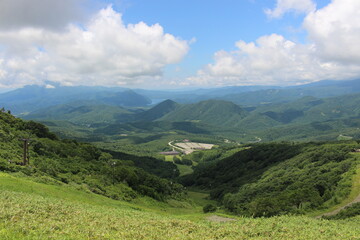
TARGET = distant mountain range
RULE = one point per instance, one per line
(32, 98)
(81, 112)
(303, 119)
(294, 113)
(258, 95)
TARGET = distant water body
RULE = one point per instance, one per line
(156, 101)
(4, 90)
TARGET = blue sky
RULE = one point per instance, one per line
(216, 25)
(173, 44)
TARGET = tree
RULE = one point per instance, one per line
(209, 208)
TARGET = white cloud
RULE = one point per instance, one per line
(49, 86)
(50, 14)
(333, 52)
(335, 29)
(297, 6)
(105, 52)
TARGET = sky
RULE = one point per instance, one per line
(162, 44)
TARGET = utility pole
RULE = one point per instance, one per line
(112, 165)
(26, 157)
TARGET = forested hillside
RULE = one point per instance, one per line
(213, 112)
(279, 178)
(81, 165)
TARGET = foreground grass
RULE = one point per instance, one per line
(37, 211)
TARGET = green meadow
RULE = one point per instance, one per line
(31, 210)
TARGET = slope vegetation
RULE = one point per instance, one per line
(37, 211)
(275, 179)
(83, 165)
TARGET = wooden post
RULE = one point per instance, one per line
(26, 157)
(25, 152)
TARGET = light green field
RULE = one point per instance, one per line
(30, 210)
(343, 137)
(184, 169)
(169, 158)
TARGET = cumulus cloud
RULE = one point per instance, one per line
(50, 14)
(335, 29)
(297, 6)
(269, 60)
(332, 52)
(104, 51)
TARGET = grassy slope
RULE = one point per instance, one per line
(36, 211)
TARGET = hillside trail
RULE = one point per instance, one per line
(336, 211)
(218, 219)
(356, 187)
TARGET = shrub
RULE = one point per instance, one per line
(209, 208)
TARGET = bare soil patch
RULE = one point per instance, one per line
(215, 218)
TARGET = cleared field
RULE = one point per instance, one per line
(189, 147)
(184, 169)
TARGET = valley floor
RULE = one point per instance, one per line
(30, 210)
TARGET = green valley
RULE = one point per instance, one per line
(232, 171)
(179, 120)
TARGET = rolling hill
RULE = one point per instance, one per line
(304, 119)
(212, 112)
(157, 111)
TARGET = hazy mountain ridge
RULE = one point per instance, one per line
(81, 113)
(322, 89)
(32, 98)
(258, 95)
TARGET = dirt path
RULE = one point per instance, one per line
(218, 219)
(356, 188)
(175, 147)
(336, 211)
